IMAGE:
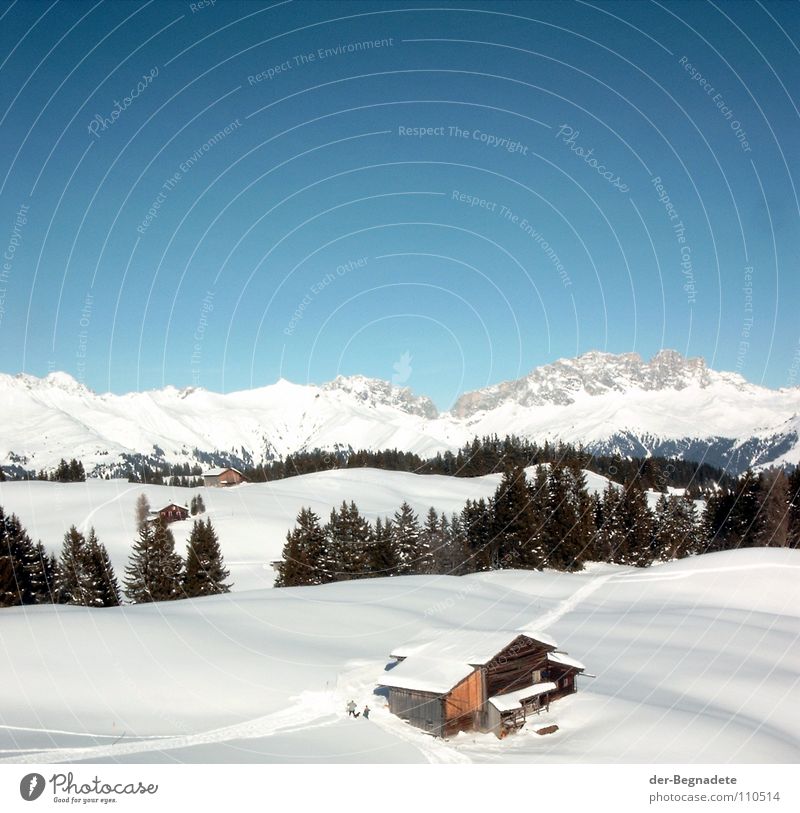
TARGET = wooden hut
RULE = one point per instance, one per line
(172, 512)
(220, 478)
(477, 681)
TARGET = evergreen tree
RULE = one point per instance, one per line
(201, 506)
(405, 533)
(18, 564)
(382, 555)
(205, 569)
(142, 510)
(567, 529)
(44, 577)
(477, 521)
(349, 538)
(105, 588)
(793, 526)
(155, 570)
(75, 584)
(451, 556)
(773, 524)
(304, 553)
(676, 531)
(611, 530)
(514, 526)
(732, 518)
(431, 544)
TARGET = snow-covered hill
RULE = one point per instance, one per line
(613, 404)
(695, 661)
(251, 519)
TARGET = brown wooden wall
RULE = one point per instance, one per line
(511, 669)
(463, 704)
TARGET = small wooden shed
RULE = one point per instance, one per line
(172, 512)
(477, 681)
(221, 478)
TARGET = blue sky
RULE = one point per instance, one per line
(442, 194)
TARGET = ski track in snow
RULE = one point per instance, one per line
(310, 708)
(84, 525)
(568, 604)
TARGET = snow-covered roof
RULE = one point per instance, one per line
(564, 660)
(436, 665)
(512, 700)
(426, 674)
(218, 472)
(475, 647)
(171, 505)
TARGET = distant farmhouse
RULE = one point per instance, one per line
(478, 681)
(218, 478)
(172, 512)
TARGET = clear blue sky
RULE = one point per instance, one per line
(525, 225)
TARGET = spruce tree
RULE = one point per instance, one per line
(75, 584)
(105, 588)
(155, 570)
(44, 577)
(205, 569)
(349, 537)
(774, 508)
(611, 530)
(476, 519)
(676, 531)
(382, 555)
(432, 541)
(565, 525)
(793, 526)
(406, 539)
(304, 554)
(18, 563)
(514, 526)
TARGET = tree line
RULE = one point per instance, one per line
(83, 575)
(485, 455)
(551, 521)
(491, 455)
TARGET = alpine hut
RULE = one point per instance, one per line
(219, 478)
(171, 512)
(477, 681)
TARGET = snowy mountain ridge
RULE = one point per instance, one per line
(612, 404)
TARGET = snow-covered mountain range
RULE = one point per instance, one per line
(613, 404)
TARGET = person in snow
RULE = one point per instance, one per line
(366, 712)
(351, 708)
